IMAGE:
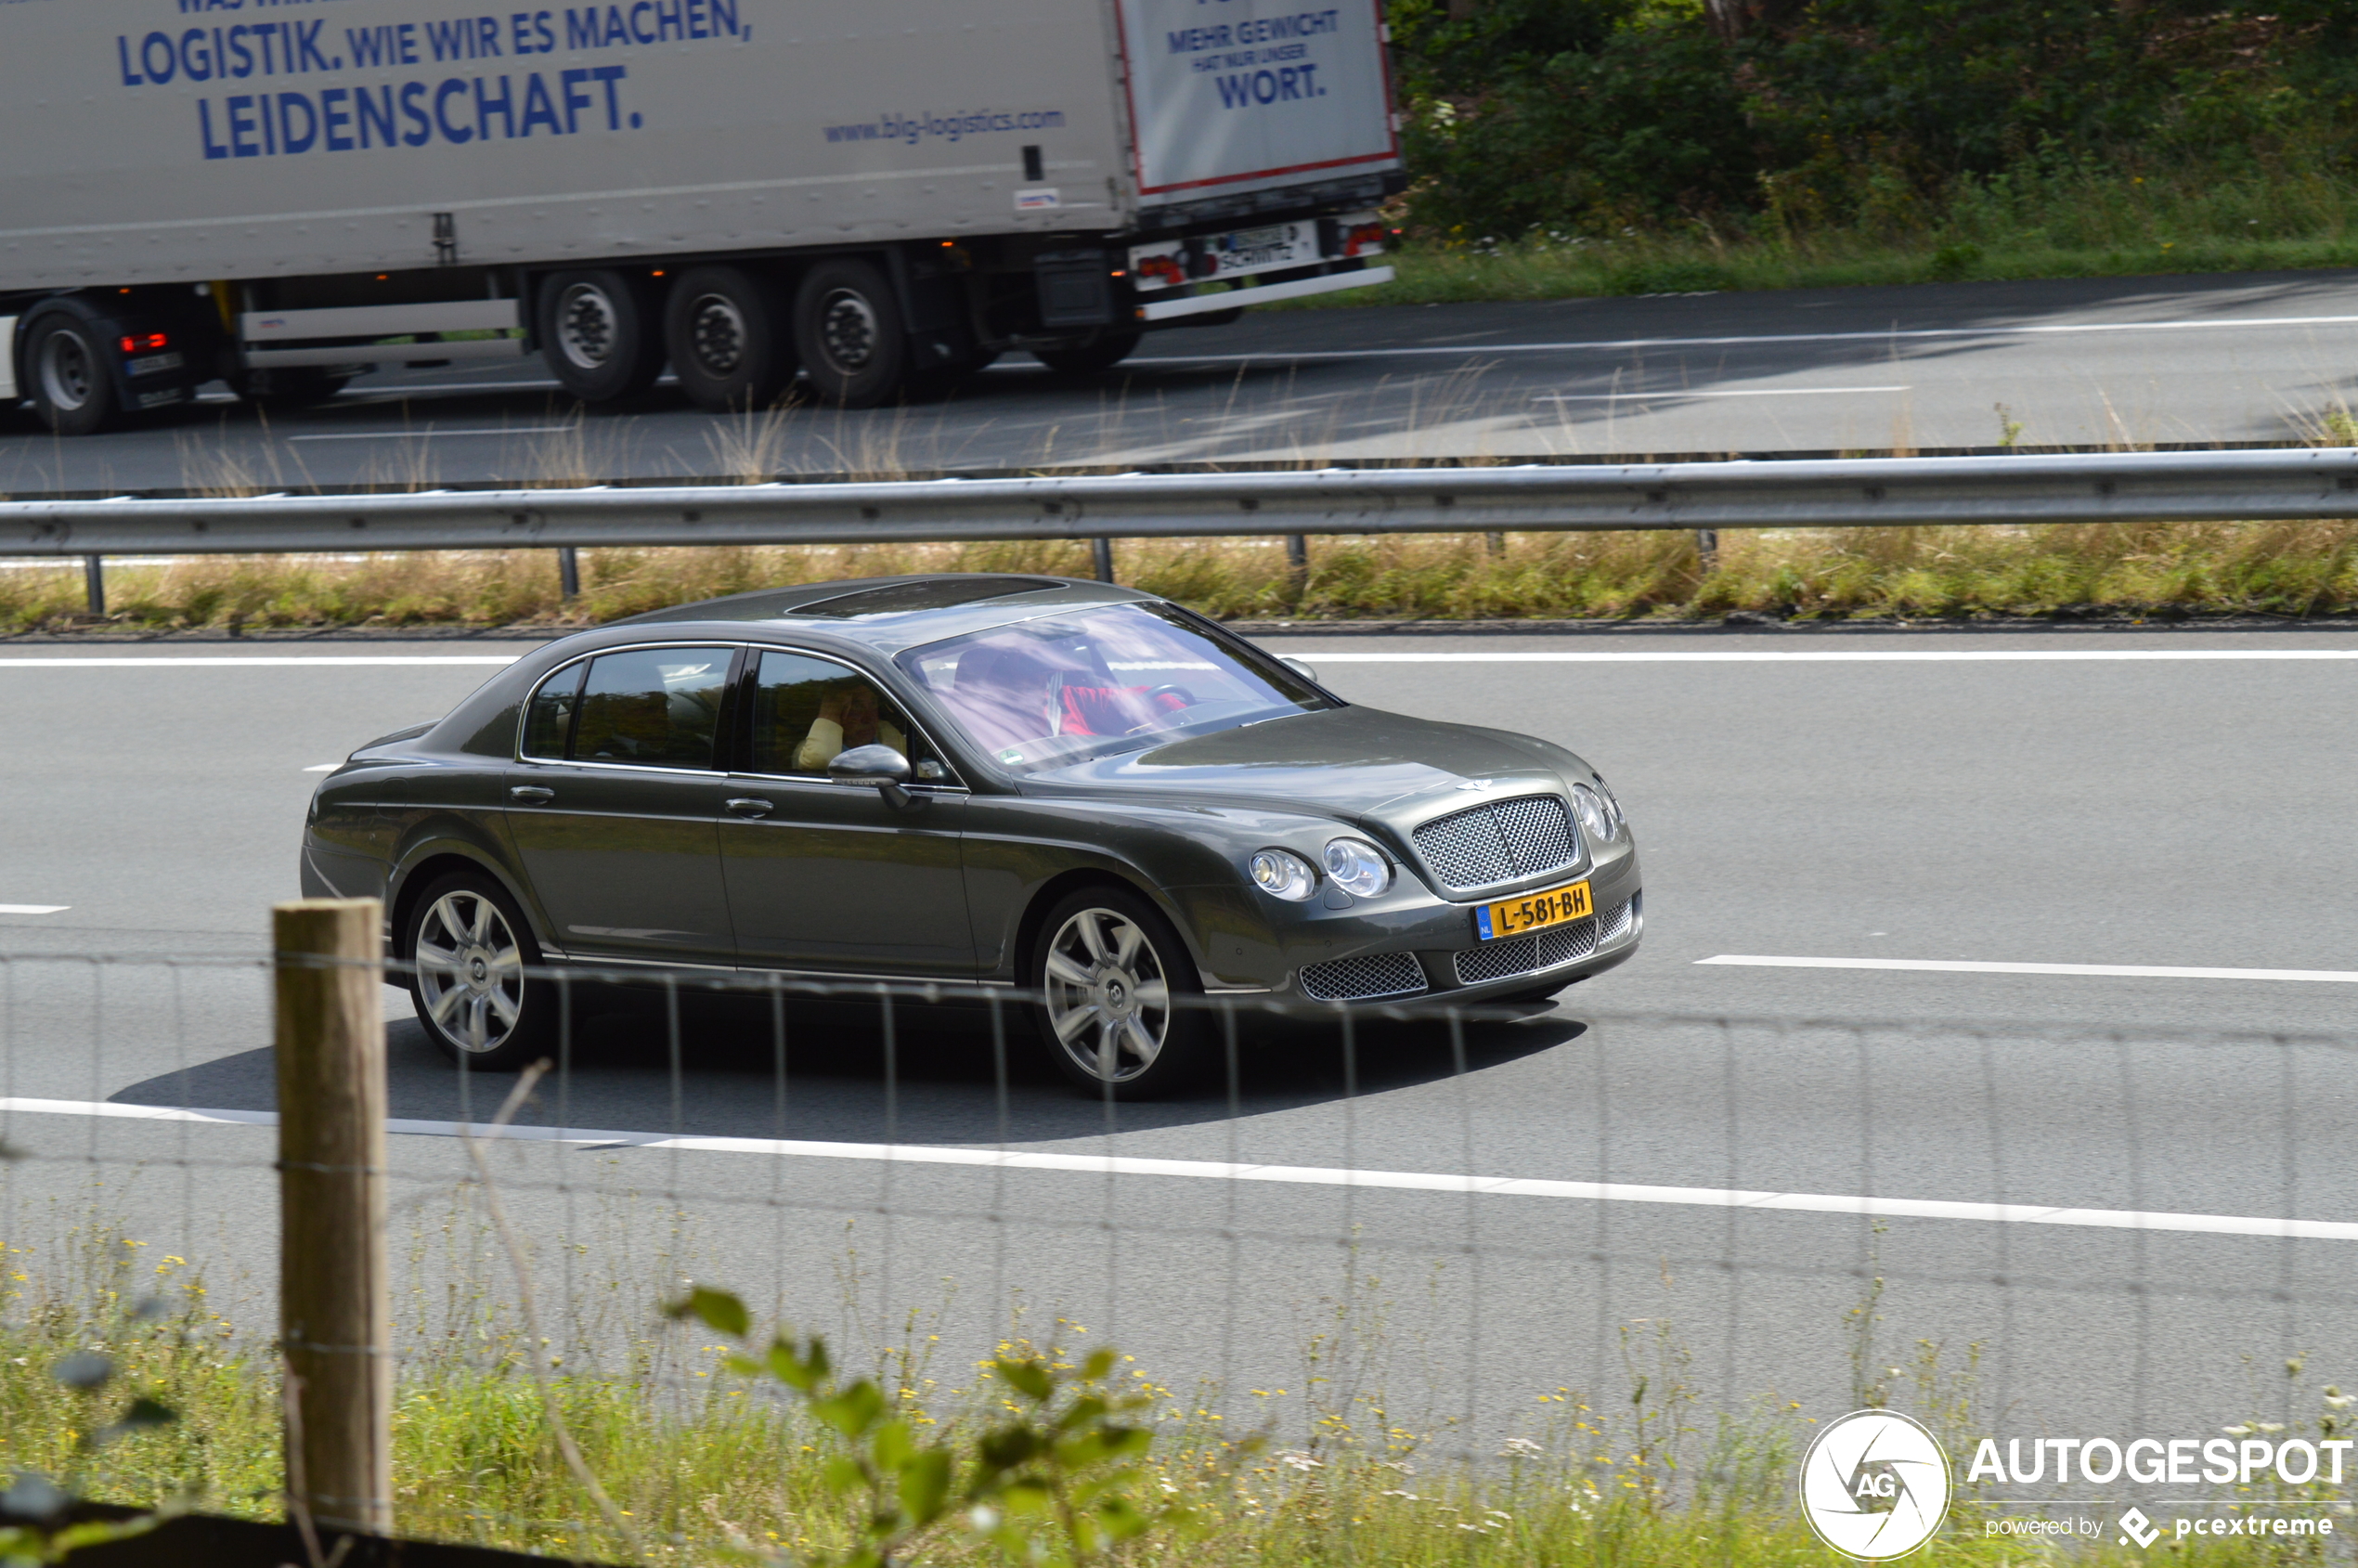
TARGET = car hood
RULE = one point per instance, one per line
(1353, 760)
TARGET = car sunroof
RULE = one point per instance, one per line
(936, 593)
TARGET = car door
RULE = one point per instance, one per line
(615, 802)
(832, 878)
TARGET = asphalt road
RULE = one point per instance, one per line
(2249, 356)
(2053, 810)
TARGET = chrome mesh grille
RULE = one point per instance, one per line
(1617, 921)
(1499, 841)
(1542, 950)
(1356, 979)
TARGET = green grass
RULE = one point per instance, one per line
(2127, 570)
(704, 1465)
(2073, 222)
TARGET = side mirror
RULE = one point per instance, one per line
(1300, 668)
(877, 765)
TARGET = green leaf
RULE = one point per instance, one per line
(1008, 1447)
(744, 1366)
(803, 1374)
(847, 1474)
(925, 1486)
(718, 1310)
(1028, 1378)
(1098, 1365)
(892, 1446)
(853, 1411)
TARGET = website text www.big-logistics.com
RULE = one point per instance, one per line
(915, 128)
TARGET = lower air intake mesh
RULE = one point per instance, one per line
(1545, 950)
(1356, 979)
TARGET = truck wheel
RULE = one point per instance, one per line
(599, 335)
(1088, 355)
(721, 330)
(848, 329)
(67, 373)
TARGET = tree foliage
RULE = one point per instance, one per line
(1595, 114)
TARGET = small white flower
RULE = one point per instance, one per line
(1410, 1495)
(1519, 1449)
(2270, 1426)
(1300, 1461)
(2237, 1431)
(983, 1517)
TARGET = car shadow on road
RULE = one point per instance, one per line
(934, 1080)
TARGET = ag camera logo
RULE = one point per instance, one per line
(1874, 1485)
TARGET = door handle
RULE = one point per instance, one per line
(749, 806)
(531, 794)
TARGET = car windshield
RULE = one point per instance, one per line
(1069, 687)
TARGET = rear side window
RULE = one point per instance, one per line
(807, 710)
(653, 707)
(548, 725)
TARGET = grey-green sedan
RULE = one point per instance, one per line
(1094, 797)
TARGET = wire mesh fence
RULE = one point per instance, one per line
(1639, 1254)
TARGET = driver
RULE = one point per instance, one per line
(850, 715)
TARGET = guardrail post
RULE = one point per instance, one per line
(568, 573)
(1298, 558)
(94, 584)
(335, 1303)
(1707, 547)
(1101, 552)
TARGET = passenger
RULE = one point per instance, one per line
(850, 716)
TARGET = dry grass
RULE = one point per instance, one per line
(2292, 569)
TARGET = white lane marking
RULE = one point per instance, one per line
(440, 434)
(1962, 966)
(212, 663)
(1702, 392)
(1847, 656)
(323, 767)
(35, 909)
(1299, 1175)
(1615, 345)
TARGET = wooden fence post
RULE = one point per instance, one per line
(335, 1300)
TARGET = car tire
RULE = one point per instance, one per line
(69, 376)
(472, 950)
(598, 334)
(1114, 983)
(849, 333)
(722, 333)
(1088, 355)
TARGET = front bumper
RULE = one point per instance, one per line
(1414, 946)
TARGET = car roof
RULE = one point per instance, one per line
(886, 614)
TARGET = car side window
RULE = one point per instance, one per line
(808, 710)
(548, 725)
(653, 707)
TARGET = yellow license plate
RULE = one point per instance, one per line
(1512, 917)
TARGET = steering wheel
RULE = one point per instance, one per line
(1186, 698)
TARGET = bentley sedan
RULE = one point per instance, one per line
(1094, 797)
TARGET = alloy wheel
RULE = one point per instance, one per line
(67, 373)
(717, 330)
(470, 971)
(587, 326)
(849, 329)
(1108, 997)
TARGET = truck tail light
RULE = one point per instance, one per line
(143, 343)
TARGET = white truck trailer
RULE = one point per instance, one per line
(879, 196)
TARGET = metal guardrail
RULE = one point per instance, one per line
(2104, 487)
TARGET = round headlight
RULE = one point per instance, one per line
(1282, 873)
(1613, 807)
(1357, 867)
(1589, 806)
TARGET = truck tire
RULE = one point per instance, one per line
(599, 335)
(69, 376)
(848, 333)
(1088, 355)
(720, 329)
